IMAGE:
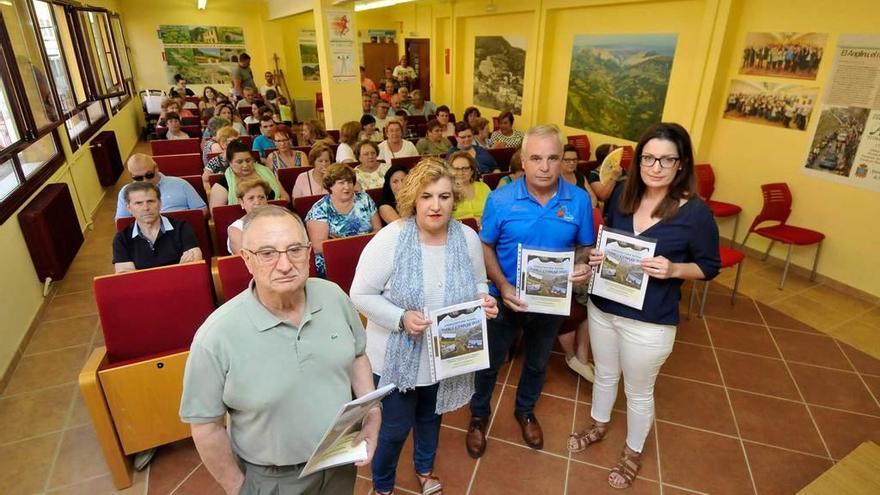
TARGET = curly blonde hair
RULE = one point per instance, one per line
(427, 171)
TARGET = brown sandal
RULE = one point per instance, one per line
(430, 484)
(628, 468)
(584, 439)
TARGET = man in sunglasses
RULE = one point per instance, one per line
(280, 358)
(177, 194)
(152, 240)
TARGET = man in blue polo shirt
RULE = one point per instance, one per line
(177, 194)
(542, 211)
(264, 142)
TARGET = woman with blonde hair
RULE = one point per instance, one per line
(252, 193)
(437, 261)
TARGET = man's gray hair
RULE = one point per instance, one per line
(271, 211)
(542, 131)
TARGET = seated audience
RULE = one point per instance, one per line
(405, 99)
(348, 138)
(382, 116)
(252, 194)
(214, 125)
(184, 106)
(313, 133)
(172, 120)
(603, 191)
(470, 114)
(396, 103)
(389, 90)
(419, 106)
(368, 129)
(389, 77)
(403, 72)
(443, 116)
(506, 136)
(370, 171)
(241, 167)
(178, 194)
(473, 191)
(433, 143)
(151, 240)
(409, 132)
(481, 132)
(263, 143)
(208, 101)
(343, 212)
(169, 105)
(394, 145)
(257, 111)
(179, 88)
(248, 99)
(570, 172)
(516, 170)
(284, 155)
(218, 164)
(311, 183)
(464, 141)
(269, 86)
(367, 104)
(394, 178)
(367, 83)
(226, 111)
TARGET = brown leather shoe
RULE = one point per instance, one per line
(531, 430)
(476, 436)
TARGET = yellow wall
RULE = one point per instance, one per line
(289, 28)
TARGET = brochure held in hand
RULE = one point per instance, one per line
(620, 277)
(543, 280)
(457, 340)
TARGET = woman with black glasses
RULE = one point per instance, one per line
(658, 201)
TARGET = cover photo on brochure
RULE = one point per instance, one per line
(620, 277)
(458, 340)
(543, 280)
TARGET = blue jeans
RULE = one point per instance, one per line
(400, 413)
(539, 334)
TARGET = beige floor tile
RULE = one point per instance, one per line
(793, 282)
(35, 413)
(863, 337)
(834, 299)
(80, 414)
(47, 369)
(57, 334)
(757, 287)
(807, 311)
(79, 459)
(70, 305)
(24, 465)
(871, 318)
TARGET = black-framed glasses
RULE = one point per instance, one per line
(148, 176)
(295, 253)
(648, 161)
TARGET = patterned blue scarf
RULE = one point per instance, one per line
(407, 291)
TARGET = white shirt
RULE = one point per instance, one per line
(385, 153)
(344, 154)
(372, 279)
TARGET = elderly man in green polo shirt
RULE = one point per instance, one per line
(280, 358)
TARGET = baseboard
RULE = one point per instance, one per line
(805, 272)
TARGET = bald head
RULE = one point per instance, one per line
(143, 167)
(254, 222)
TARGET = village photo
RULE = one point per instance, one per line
(779, 105)
(547, 277)
(794, 55)
(201, 54)
(618, 269)
(461, 332)
(499, 70)
(837, 139)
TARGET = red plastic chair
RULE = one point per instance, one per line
(195, 219)
(341, 258)
(180, 165)
(287, 177)
(375, 194)
(706, 187)
(319, 103)
(175, 146)
(777, 208)
(492, 179)
(729, 257)
(582, 144)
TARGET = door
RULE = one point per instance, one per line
(377, 56)
(418, 50)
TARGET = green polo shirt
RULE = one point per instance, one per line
(281, 385)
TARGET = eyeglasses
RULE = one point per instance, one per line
(648, 161)
(295, 253)
(460, 169)
(148, 176)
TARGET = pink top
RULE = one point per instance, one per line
(306, 185)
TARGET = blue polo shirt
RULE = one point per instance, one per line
(263, 145)
(512, 216)
(177, 195)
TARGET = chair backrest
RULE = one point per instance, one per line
(777, 204)
(148, 312)
(319, 101)
(244, 111)
(192, 99)
(705, 180)
(416, 120)
(232, 277)
(304, 149)
(502, 156)
(334, 133)
(226, 215)
(585, 167)
(287, 176)
(175, 146)
(472, 223)
(248, 141)
(191, 121)
(452, 140)
(375, 194)
(341, 258)
(407, 161)
(192, 130)
(492, 179)
(196, 182)
(180, 165)
(582, 144)
(195, 219)
(496, 123)
(213, 179)
(254, 129)
(303, 204)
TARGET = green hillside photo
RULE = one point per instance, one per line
(617, 83)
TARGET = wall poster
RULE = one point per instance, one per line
(499, 71)
(775, 104)
(201, 54)
(846, 143)
(308, 55)
(342, 61)
(794, 55)
(617, 82)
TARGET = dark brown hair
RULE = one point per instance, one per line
(338, 171)
(684, 184)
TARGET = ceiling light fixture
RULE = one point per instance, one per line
(377, 4)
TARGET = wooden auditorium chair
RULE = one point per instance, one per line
(492, 179)
(180, 165)
(407, 161)
(195, 218)
(175, 146)
(502, 156)
(132, 385)
(341, 258)
(287, 177)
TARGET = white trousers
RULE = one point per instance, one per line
(638, 350)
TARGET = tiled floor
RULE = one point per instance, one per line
(756, 398)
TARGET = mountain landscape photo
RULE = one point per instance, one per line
(617, 83)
